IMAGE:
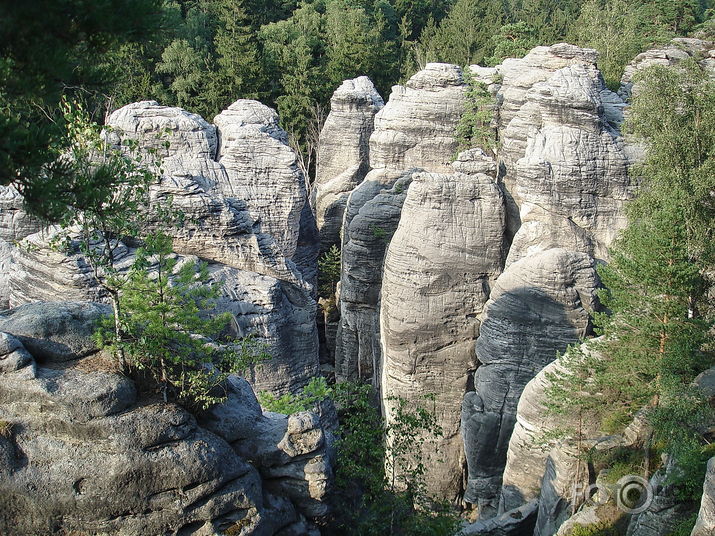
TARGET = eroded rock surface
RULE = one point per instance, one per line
(80, 450)
(244, 202)
(343, 155)
(416, 127)
(566, 166)
(371, 218)
(444, 257)
(538, 306)
(706, 517)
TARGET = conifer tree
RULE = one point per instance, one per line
(657, 329)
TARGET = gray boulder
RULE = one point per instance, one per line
(706, 517)
(81, 451)
(55, 331)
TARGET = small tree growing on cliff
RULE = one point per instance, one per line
(475, 126)
(165, 334)
(104, 201)
(657, 330)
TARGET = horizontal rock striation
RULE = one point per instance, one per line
(81, 450)
(416, 127)
(444, 257)
(537, 307)
(244, 204)
(343, 154)
(371, 218)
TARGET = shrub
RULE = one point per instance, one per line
(328, 272)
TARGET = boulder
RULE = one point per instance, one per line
(705, 524)
(55, 331)
(82, 450)
(668, 55)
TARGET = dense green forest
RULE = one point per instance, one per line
(291, 54)
(202, 55)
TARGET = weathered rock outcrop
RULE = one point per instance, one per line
(245, 214)
(81, 449)
(343, 154)
(444, 257)
(566, 167)
(414, 131)
(527, 457)
(371, 218)
(516, 522)
(677, 50)
(665, 511)
(538, 306)
(706, 517)
(416, 127)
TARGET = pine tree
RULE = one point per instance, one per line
(657, 330)
(239, 69)
(164, 333)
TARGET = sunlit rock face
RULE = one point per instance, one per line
(244, 204)
(559, 182)
(343, 154)
(440, 265)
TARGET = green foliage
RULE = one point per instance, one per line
(379, 480)
(657, 336)
(511, 41)
(685, 527)
(5, 429)
(102, 200)
(43, 58)
(601, 528)
(475, 126)
(377, 231)
(621, 29)
(328, 272)
(164, 334)
(315, 392)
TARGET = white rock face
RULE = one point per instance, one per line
(446, 253)
(706, 517)
(549, 473)
(538, 306)
(572, 182)
(416, 127)
(262, 170)
(243, 216)
(343, 155)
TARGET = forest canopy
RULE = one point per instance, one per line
(291, 54)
